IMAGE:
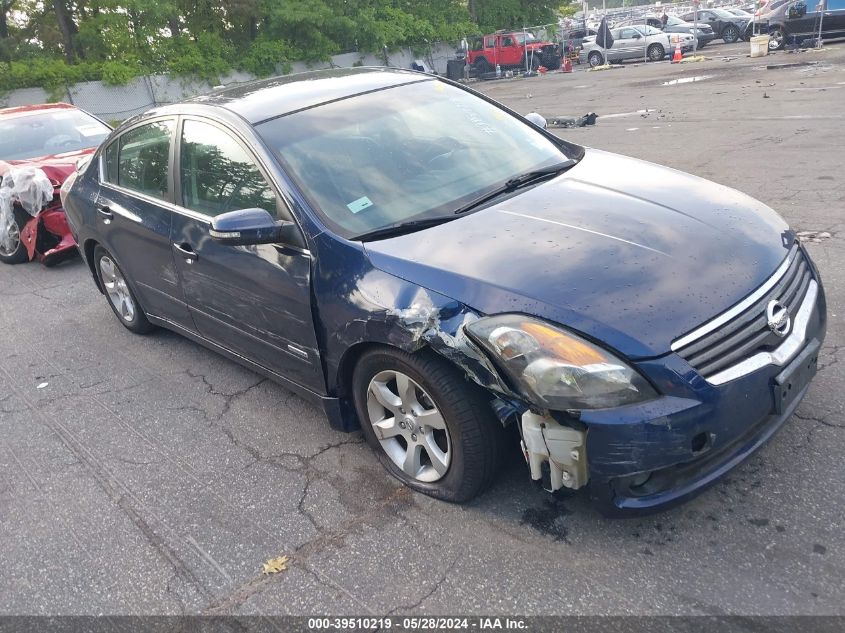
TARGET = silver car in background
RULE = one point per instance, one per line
(639, 41)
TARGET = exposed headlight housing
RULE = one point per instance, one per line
(556, 369)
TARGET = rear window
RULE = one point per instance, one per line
(140, 159)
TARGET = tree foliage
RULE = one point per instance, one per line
(49, 43)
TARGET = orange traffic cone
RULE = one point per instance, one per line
(678, 56)
(567, 65)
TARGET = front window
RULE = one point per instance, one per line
(416, 151)
(45, 133)
(217, 174)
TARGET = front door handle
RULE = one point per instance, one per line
(186, 252)
(105, 212)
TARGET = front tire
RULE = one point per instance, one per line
(12, 247)
(121, 299)
(429, 427)
(656, 52)
(730, 34)
(776, 39)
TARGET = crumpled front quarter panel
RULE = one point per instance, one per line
(356, 303)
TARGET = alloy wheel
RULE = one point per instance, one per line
(730, 35)
(775, 39)
(116, 289)
(11, 239)
(409, 426)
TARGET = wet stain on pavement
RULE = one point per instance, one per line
(548, 519)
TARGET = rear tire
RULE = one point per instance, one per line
(119, 295)
(12, 248)
(656, 52)
(481, 66)
(595, 59)
(449, 445)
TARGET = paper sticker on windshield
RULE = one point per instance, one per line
(356, 206)
(89, 130)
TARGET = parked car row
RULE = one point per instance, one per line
(411, 256)
(634, 42)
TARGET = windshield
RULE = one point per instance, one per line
(648, 30)
(524, 37)
(673, 21)
(51, 132)
(723, 14)
(411, 152)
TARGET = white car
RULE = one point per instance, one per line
(629, 42)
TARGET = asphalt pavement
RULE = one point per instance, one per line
(149, 475)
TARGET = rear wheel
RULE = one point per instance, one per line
(656, 52)
(120, 296)
(776, 39)
(481, 66)
(429, 427)
(730, 34)
(12, 248)
(595, 59)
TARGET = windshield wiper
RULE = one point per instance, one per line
(516, 182)
(401, 228)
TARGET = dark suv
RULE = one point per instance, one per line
(725, 25)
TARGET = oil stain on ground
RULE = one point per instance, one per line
(548, 519)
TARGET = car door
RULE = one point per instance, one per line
(511, 52)
(134, 215)
(490, 49)
(630, 43)
(252, 300)
(801, 21)
(834, 18)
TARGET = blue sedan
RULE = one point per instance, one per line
(433, 269)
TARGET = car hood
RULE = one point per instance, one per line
(57, 167)
(627, 252)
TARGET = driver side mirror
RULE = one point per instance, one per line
(797, 10)
(637, 36)
(246, 227)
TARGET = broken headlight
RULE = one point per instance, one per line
(555, 368)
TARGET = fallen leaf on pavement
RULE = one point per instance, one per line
(275, 565)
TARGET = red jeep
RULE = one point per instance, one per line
(517, 49)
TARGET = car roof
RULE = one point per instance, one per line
(24, 110)
(264, 99)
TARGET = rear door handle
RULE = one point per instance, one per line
(105, 212)
(186, 252)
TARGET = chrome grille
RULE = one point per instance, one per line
(747, 332)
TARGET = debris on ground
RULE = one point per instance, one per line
(566, 122)
(812, 236)
(275, 565)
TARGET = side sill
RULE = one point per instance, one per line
(332, 407)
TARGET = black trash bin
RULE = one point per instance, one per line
(455, 69)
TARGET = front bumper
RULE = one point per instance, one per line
(656, 454)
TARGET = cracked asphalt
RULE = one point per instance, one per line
(148, 475)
